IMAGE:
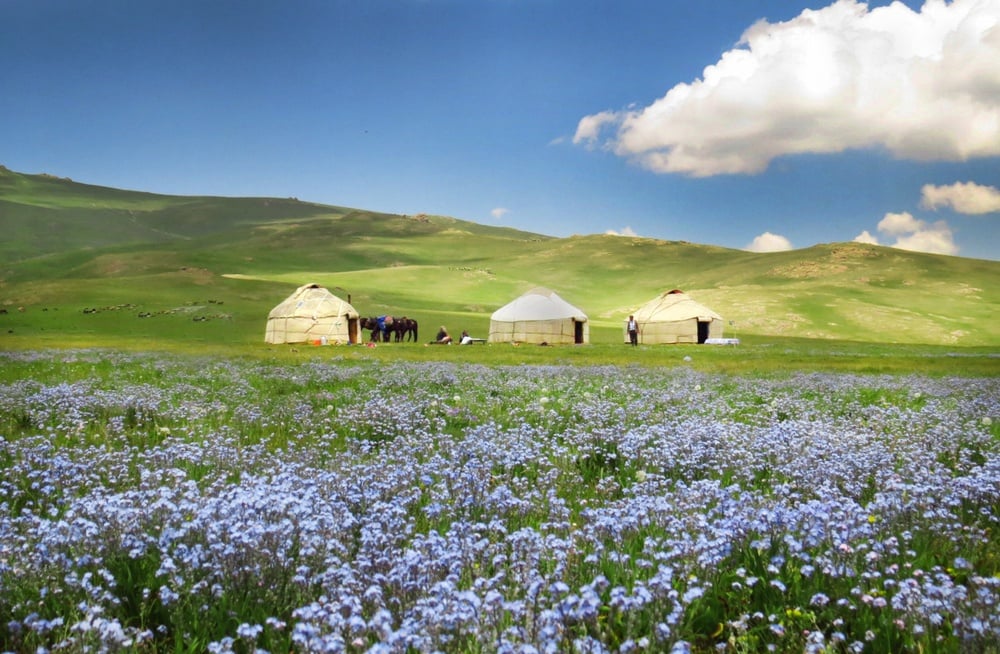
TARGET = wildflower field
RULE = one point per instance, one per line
(181, 503)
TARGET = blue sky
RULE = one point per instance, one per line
(750, 124)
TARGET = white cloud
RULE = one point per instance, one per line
(923, 85)
(967, 198)
(895, 224)
(936, 239)
(499, 213)
(866, 237)
(768, 242)
(589, 127)
(627, 231)
(914, 234)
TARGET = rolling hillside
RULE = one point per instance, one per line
(85, 263)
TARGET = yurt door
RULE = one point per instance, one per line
(577, 332)
(703, 331)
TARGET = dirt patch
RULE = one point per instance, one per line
(200, 274)
(965, 289)
(852, 252)
(808, 270)
(838, 261)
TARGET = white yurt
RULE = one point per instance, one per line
(539, 316)
(312, 314)
(674, 317)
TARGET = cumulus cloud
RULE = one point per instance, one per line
(627, 231)
(913, 234)
(936, 238)
(499, 213)
(896, 224)
(768, 242)
(920, 84)
(866, 237)
(967, 198)
(589, 128)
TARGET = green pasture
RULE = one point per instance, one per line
(723, 480)
(194, 311)
(172, 272)
(755, 355)
(107, 271)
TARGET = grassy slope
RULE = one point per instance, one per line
(227, 261)
(45, 215)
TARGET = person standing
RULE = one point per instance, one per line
(633, 331)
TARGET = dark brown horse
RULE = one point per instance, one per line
(380, 327)
(404, 329)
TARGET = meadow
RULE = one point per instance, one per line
(568, 500)
(172, 484)
(83, 265)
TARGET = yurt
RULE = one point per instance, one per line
(539, 316)
(312, 314)
(673, 317)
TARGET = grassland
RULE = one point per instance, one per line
(173, 484)
(81, 263)
(159, 502)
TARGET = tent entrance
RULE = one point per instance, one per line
(577, 332)
(703, 331)
(353, 331)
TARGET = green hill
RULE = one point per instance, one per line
(89, 264)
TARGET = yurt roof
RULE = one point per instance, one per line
(672, 306)
(538, 304)
(315, 301)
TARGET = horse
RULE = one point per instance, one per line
(379, 327)
(404, 329)
(369, 323)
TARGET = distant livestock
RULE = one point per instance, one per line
(385, 329)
